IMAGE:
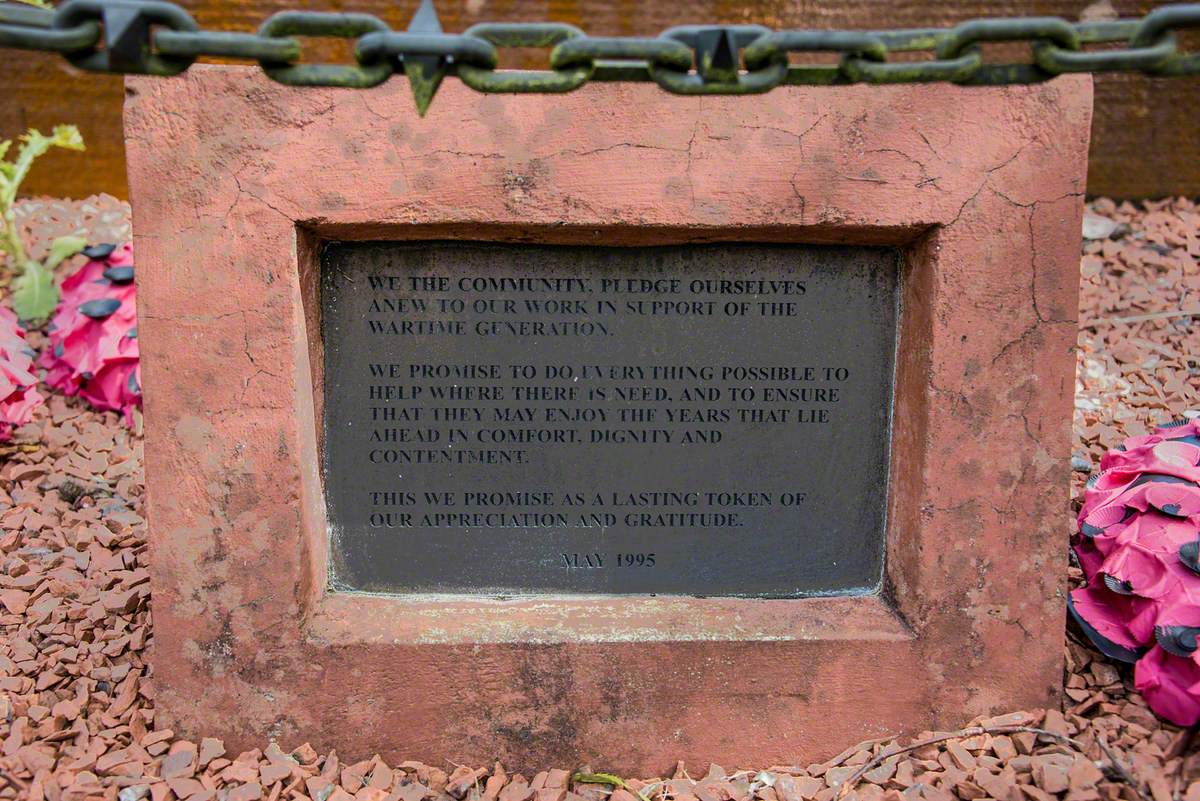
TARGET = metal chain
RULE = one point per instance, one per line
(157, 37)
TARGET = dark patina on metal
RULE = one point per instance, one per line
(158, 37)
(706, 420)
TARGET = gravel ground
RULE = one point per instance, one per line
(77, 697)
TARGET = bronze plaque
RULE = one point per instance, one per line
(707, 420)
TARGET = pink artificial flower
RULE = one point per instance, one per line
(18, 385)
(1139, 547)
(1170, 684)
(93, 348)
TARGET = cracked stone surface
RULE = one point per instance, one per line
(235, 182)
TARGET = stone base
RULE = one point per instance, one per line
(236, 182)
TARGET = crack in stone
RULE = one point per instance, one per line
(269, 205)
(467, 153)
(1006, 162)
(925, 139)
(254, 375)
(1016, 341)
(691, 142)
(635, 145)
(966, 203)
(373, 110)
(926, 178)
(799, 136)
(800, 165)
(1033, 269)
(193, 318)
(863, 180)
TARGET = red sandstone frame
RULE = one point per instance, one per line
(235, 183)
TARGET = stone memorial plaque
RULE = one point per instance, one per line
(597, 496)
(708, 420)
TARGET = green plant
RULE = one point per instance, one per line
(607, 778)
(34, 294)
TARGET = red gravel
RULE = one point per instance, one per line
(77, 700)
(1139, 349)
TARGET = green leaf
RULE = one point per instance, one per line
(12, 173)
(62, 249)
(66, 136)
(605, 778)
(34, 293)
(34, 144)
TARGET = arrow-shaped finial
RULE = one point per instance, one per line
(125, 31)
(424, 73)
(716, 54)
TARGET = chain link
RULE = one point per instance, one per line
(487, 78)
(226, 44)
(361, 75)
(29, 28)
(158, 37)
(126, 25)
(1164, 22)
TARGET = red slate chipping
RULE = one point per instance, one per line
(77, 700)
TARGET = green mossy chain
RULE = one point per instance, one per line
(158, 37)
